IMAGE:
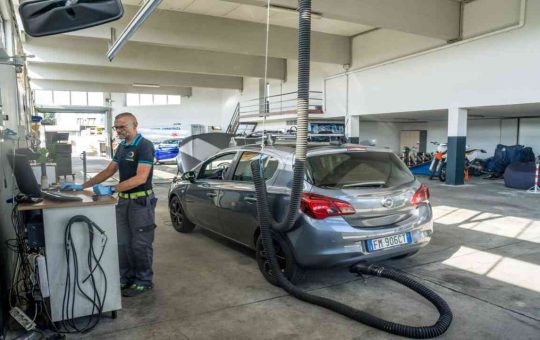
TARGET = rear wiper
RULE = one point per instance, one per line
(364, 184)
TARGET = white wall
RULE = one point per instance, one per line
(481, 133)
(529, 133)
(484, 133)
(499, 70)
(208, 107)
(509, 131)
(502, 13)
(386, 135)
(383, 44)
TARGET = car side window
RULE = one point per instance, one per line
(243, 170)
(216, 168)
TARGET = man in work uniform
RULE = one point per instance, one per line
(135, 211)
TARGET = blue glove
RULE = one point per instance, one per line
(71, 186)
(103, 190)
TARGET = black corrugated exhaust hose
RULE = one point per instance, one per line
(267, 222)
(302, 107)
(437, 329)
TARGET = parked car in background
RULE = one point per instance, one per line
(359, 204)
(167, 150)
(170, 143)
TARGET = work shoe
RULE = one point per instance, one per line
(125, 285)
(135, 290)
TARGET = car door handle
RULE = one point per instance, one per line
(250, 199)
(211, 194)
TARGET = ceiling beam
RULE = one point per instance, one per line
(90, 51)
(432, 18)
(66, 85)
(204, 32)
(112, 75)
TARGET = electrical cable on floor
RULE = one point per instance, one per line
(268, 225)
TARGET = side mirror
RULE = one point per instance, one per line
(189, 176)
(48, 17)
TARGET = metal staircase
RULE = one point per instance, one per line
(235, 120)
(282, 104)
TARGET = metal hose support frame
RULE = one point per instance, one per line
(267, 222)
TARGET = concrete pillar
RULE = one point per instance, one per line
(457, 135)
(352, 129)
(108, 124)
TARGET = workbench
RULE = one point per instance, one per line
(56, 216)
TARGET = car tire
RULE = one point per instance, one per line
(293, 272)
(179, 220)
(399, 257)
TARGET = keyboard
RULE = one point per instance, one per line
(56, 196)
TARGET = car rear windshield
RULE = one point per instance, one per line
(357, 170)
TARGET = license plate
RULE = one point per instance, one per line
(389, 241)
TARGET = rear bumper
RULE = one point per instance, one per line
(333, 242)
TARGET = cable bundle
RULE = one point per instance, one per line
(24, 288)
(21, 280)
(73, 285)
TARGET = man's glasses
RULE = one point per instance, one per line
(121, 127)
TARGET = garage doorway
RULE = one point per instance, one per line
(413, 139)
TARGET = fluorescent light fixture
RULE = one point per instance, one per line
(146, 85)
(144, 12)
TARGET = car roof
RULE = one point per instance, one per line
(311, 148)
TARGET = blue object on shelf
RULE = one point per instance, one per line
(36, 119)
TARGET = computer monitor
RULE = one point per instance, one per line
(26, 181)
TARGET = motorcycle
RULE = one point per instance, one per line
(439, 160)
(471, 162)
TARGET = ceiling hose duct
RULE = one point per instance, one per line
(269, 226)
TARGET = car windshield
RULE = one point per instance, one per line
(357, 170)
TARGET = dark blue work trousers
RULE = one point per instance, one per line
(135, 224)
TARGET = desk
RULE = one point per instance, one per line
(56, 216)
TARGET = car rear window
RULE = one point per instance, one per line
(357, 170)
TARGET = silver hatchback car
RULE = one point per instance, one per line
(358, 204)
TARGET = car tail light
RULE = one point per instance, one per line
(421, 195)
(321, 207)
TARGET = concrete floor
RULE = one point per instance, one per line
(484, 260)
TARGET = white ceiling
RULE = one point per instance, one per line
(279, 17)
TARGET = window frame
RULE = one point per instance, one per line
(239, 156)
(392, 158)
(228, 176)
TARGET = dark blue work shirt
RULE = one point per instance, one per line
(129, 156)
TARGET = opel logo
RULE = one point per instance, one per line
(387, 202)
